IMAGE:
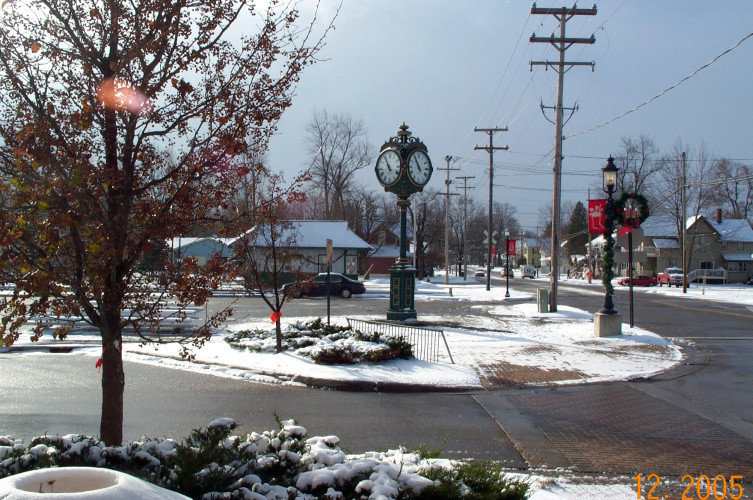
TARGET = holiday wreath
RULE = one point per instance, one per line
(634, 217)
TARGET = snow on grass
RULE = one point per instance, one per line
(504, 342)
(458, 290)
(512, 339)
(733, 293)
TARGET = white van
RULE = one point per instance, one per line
(528, 272)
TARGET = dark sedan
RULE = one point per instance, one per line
(639, 280)
(338, 285)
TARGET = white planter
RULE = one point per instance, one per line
(80, 483)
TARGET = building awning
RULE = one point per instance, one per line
(738, 257)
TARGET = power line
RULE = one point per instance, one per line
(660, 94)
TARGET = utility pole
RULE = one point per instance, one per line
(490, 149)
(447, 195)
(465, 188)
(590, 265)
(561, 43)
(683, 225)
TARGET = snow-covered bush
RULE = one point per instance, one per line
(325, 344)
(280, 464)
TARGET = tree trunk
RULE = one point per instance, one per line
(278, 331)
(113, 384)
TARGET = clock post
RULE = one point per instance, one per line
(403, 168)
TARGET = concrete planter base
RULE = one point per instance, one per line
(80, 483)
(607, 325)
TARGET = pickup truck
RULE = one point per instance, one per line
(670, 276)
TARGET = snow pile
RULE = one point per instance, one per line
(274, 464)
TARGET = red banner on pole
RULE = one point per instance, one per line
(596, 216)
(494, 250)
(511, 247)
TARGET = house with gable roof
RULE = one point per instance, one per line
(310, 237)
(713, 243)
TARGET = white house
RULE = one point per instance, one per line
(310, 238)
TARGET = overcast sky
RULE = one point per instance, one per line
(445, 66)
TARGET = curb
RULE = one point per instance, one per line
(694, 360)
(340, 385)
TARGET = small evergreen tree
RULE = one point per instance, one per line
(577, 234)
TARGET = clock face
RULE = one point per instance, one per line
(419, 167)
(388, 167)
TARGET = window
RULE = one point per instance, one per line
(737, 267)
(740, 245)
(672, 262)
(707, 264)
(724, 245)
(351, 265)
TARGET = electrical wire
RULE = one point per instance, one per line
(663, 92)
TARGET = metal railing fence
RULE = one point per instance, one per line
(426, 342)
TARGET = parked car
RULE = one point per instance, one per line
(479, 273)
(671, 276)
(639, 280)
(504, 272)
(316, 287)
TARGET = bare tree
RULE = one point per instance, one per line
(638, 163)
(267, 255)
(665, 196)
(339, 148)
(734, 188)
(427, 217)
(504, 218)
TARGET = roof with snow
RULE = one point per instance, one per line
(734, 230)
(666, 243)
(659, 225)
(182, 242)
(314, 234)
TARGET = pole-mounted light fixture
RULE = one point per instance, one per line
(609, 175)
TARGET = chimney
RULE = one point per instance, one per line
(718, 215)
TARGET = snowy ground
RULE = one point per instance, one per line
(504, 343)
(730, 293)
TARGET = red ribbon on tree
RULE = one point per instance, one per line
(98, 363)
(275, 316)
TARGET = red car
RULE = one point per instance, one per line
(639, 280)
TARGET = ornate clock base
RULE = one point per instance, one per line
(402, 288)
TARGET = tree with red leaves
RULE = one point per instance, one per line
(120, 125)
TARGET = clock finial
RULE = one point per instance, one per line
(403, 133)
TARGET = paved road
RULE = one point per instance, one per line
(695, 420)
(57, 393)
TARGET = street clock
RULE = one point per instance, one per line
(403, 167)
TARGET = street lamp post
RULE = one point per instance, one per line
(609, 173)
(507, 262)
